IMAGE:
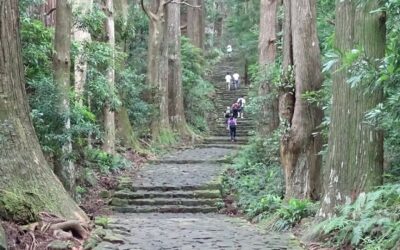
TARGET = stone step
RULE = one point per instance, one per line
(239, 130)
(225, 139)
(164, 188)
(190, 194)
(226, 134)
(246, 120)
(221, 145)
(165, 201)
(166, 209)
(221, 123)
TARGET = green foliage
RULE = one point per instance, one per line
(243, 27)
(104, 162)
(37, 48)
(256, 178)
(102, 221)
(166, 137)
(197, 91)
(131, 87)
(99, 57)
(93, 21)
(371, 222)
(292, 212)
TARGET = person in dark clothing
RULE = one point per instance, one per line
(235, 110)
(232, 123)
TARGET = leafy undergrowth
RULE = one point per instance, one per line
(371, 222)
(254, 186)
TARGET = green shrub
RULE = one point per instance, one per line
(104, 162)
(292, 212)
(197, 91)
(371, 222)
(256, 178)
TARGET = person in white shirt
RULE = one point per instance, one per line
(229, 50)
(236, 78)
(228, 79)
(242, 103)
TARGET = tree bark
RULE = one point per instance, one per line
(302, 143)
(50, 13)
(219, 22)
(286, 91)
(122, 8)
(267, 53)
(195, 24)
(62, 64)
(157, 69)
(108, 113)
(355, 149)
(81, 36)
(23, 170)
(176, 108)
(124, 130)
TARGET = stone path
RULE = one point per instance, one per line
(193, 231)
(173, 203)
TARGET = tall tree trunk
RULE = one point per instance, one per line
(108, 113)
(23, 171)
(267, 53)
(50, 13)
(184, 20)
(124, 129)
(157, 69)
(301, 144)
(122, 8)
(219, 22)
(176, 109)
(355, 149)
(286, 91)
(195, 25)
(62, 65)
(81, 36)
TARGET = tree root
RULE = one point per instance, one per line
(74, 226)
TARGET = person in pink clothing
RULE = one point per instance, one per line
(232, 123)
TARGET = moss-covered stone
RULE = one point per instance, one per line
(102, 221)
(105, 194)
(112, 238)
(60, 245)
(3, 239)
(21, 208)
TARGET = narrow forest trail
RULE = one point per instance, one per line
(173, 203)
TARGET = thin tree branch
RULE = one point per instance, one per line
(50, 11)
(186, 3)
(167, 2)
(148, 13)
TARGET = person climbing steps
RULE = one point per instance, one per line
(232, 122)
(242, 103)
(228, 80)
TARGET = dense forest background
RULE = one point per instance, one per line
(111, 81)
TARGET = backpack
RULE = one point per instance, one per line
(240, 102)
(231, 122)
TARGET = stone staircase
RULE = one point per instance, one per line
(225, 98)
(187, 181)
(183, 182)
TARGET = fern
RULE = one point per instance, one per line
(371, 222)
